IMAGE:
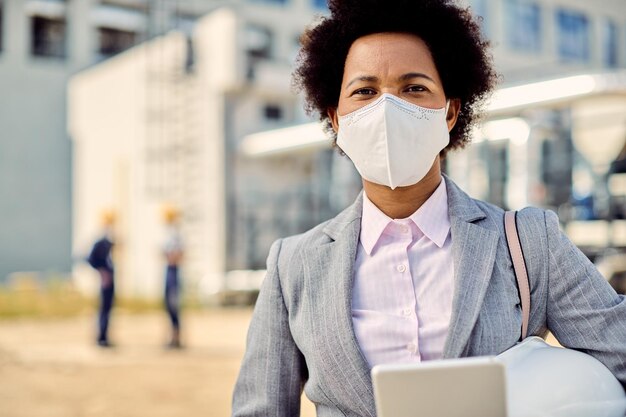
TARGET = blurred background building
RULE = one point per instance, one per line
(163, 122)
(188, 103)
(555, 134)
(42, 44)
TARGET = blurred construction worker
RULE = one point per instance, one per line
(100, 259)
(173, 254)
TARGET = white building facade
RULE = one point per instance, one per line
(536, 39)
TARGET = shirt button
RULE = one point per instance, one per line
(401, 268)
(405, 229)
(411, 347)
(407, 312)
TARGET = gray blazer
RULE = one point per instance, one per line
(301, 334)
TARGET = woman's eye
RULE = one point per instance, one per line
(416, 89)
(364, 92)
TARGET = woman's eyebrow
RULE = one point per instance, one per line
(404, 77)
(411, 75)
(367, 78)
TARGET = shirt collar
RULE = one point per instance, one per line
(431, 219)
(373, 223)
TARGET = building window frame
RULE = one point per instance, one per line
(48, 37)
(142, 6)
(610, 43)
(259, 46)
(573, 35)
(480, 9)
(523, 23)
(319, 4)
(272, 2)
(259, 41)
(109, 49)
(273, 112)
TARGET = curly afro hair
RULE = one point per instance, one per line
(460, 53)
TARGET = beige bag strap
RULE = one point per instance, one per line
(515, 248)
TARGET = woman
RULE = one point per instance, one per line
(414, 269)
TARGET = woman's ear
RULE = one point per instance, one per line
(453, 112)
(332, 115)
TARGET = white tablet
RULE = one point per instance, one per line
(466, 387)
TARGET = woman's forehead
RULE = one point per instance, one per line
(390, 53)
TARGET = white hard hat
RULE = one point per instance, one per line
(548, 381)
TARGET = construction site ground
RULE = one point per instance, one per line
(52, 367)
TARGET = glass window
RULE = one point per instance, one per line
(113, 41)
(480, 8)
(258, 41)
(282, 2)
(48, 37)
(523, 25)
(295, 49)
(573, 35)
(273, 112)
(609, 44)
(142, 5)
(320, 4)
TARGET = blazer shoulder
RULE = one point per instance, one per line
(286, 249)
(539, 233)
(312, 236)
(527, 217)
(536, 220)
(536, 213)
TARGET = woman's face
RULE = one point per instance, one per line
(393, 63)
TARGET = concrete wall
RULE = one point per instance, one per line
(35, 204)
(35, 168)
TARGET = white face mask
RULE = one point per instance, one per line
(393, 142)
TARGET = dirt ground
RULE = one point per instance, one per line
(52, 368)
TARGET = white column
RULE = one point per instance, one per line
(549, 35)
(16, 40)
(82, 40)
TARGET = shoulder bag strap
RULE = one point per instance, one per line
(515, 248)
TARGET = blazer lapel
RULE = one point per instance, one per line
(330, 272)
(474, 250)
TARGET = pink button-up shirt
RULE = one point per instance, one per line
(403, 284)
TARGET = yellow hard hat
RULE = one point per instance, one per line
(170, 213)
(107, 217)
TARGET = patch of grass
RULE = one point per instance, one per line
(58, 299)
(142, 305)
(53, 300)
(137, 305)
